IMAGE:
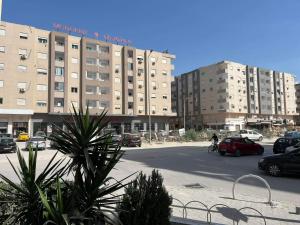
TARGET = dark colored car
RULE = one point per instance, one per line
(282, 143)
(240, 146)
(275, 165)
(7, 145)
(132, 140)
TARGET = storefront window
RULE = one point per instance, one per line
(39, 126)
(19, 127)
(3, 127)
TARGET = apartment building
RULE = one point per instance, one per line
(297, 117)
(43, 73)
(230, 95)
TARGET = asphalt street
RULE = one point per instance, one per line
(185, 166)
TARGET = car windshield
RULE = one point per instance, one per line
(7, 140)
(37, 139)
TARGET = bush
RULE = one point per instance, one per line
(191, 135)
(146, 202)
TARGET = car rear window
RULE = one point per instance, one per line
(243, 132)
(7, 140)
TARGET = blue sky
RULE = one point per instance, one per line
(263, 33)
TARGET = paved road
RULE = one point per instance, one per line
(188, 165)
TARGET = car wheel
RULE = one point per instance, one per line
(237, 153)
(274, 170)
(222, 153)
(260, 138)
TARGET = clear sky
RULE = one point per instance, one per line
(262, 33)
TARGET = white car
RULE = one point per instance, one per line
(36, 143)
(251, 134)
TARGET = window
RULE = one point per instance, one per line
(117, 106)
(41, 71)
(1, 66)
(74, 75)
(1, 101)
(41, 55)
(91, 75)
(91, 89)
(42, 40)
(59, 71)
(103, 63)
(91, 61)
(91, 103)
(104, 91)
(22, 68)
(130, 54)
(117, 80)
(117, 68)
(21, 101)
(74, 60)
(152, 59)
(41, 87)
(103, 49)
(117, 53)
(58, 102)
(140, 72)
(165, 97)
(153, 72)
(22, 51)
(140, 59)
(74, 89)
(117, 93)
(23, 35)
(2, 49)
(2, 32)
(164, 61)
(165, 109)
(1, 83)
(104, 104)
(164, 73)
(74, 46)
(59, 86)
(103, 76)
(91, 47)
(203, 90)
(41, 103)
(153, 95)
(130, 66)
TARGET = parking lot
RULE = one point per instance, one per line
(183, 166)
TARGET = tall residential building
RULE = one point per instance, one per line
(232, 95)
(297, 117)
(43, 73)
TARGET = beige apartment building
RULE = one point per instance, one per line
(43, 73)
(297, 117)
(230, 95)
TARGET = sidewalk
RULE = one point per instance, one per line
(278, 214)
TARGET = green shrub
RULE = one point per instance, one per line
(191, 135)
(146, 202)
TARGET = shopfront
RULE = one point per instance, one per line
(3, 127)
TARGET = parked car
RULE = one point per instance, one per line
(7, 144)
(292, 134)
(292, 148)
(116, 140)
(131, 140)
(23, 136)
(239, 146)
(5, 135)
(276, 165)
(282, 143)
(38, 143)
(251, 134)
(40, 134)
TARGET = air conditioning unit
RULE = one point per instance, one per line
(117, 71)
(21, 90)
(140, 111)
(118, 98)
(153, 63)
(152, 75)
(140, 61)
(141, 99)
(23, 57)
(139, 74)
(154, 88)
(153, 111)
(140, 86)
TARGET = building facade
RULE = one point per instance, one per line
(229, 95)
(43, 73)
(297, 117)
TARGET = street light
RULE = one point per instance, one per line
(148, 87)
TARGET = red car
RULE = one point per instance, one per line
(240, 146)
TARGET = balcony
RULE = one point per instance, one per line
(130, 98)
(59, 47)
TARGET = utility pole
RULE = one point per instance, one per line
(0, 10)
(148, 94)
(184, 112)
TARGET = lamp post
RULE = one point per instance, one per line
(148, 94)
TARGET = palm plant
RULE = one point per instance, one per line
(92, 159)
(27, 208)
